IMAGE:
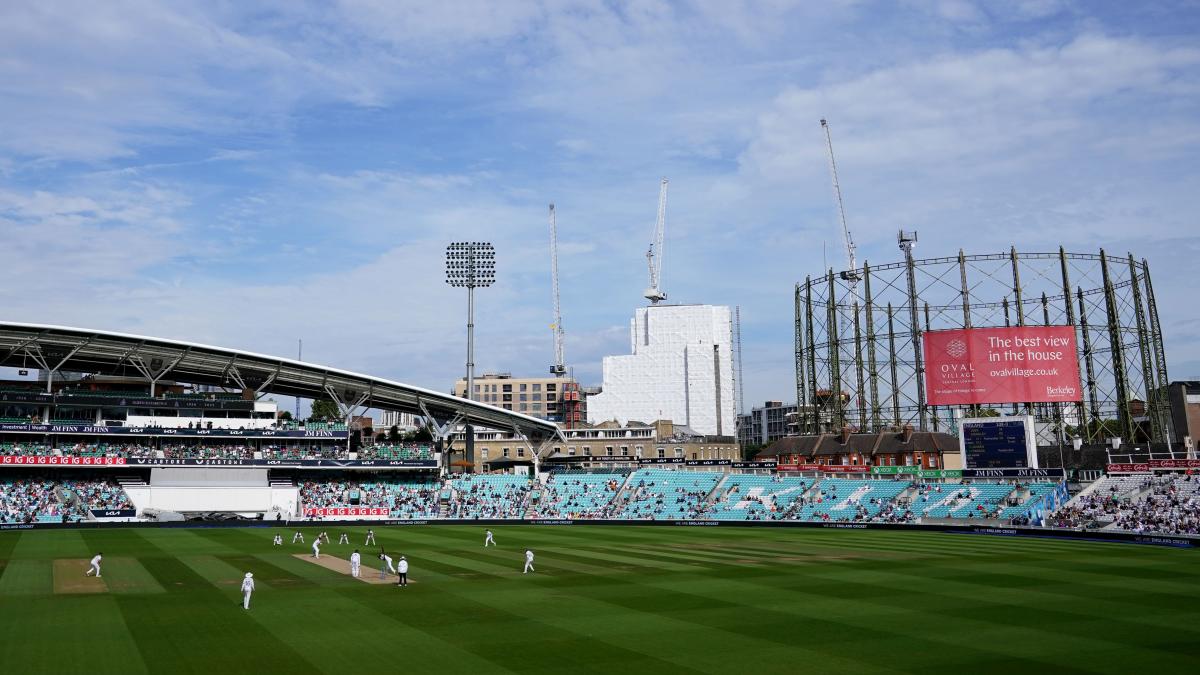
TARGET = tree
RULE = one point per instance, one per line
(324, 410)
(394, 434)
(285, 416)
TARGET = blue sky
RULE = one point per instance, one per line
(249, 174)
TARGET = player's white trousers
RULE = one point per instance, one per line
(94, 568)
(528, 567)
(246, 599)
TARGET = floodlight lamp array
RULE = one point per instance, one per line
(470, 264)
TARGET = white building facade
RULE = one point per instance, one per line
(681, 369)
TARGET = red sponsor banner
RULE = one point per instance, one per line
(1036, 364)
(1174, 463)
(54, 460)
(828, 468)
(798, 467)
(1153, 465)
(348, 511)
(1128, 468)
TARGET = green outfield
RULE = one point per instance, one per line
(612, 600)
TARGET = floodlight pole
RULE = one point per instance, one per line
(470, 264)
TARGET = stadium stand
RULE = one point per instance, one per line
(407, 497)
(489, 496)
(1164, 504)
(33, 500)
(579, 495)
(394, 451)
(846, 500)
(665, 494)
(752, 497)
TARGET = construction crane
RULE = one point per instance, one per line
(851, 274)
(559, 368)
(654, 254)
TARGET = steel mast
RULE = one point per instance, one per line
(559, 368)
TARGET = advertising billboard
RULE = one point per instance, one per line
(1024, 364)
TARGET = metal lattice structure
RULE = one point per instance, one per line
(858, 351)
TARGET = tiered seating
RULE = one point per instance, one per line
(95, 494)
(841, 499)
(750, 497)
(24, 449)
(207, 452)
(490, 496)
(15, 420)
(579, 495)
(1172, 506)
(658, 494)
(1037, 492)
(312, 426)
(968, 500)
(396, 452)
(414, 498)
(29, 501)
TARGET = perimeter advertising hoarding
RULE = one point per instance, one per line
(1025, 364)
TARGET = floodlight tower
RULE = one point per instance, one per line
(470, 264)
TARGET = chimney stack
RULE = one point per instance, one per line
(845, 435)
(907, 433)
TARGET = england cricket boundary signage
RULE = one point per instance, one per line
(1178, 541)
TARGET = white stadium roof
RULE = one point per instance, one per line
(82, 350)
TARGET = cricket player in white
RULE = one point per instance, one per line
(299, 535)
(325, 536)
(488, 540)
(370, 538)
(528, 562)
(95, 566)
(278, 540)
(355, 562)
(344, 539)
(387, 565)
(402, 572)
(317, 547)
(247, 589)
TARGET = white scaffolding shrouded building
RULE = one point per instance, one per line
(681, 369)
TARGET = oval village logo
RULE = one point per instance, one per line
(956, 348)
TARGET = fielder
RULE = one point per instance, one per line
(488, 540)
(528, 561)
(299, 535)
(317, 548)
(402, 572)
(370, 538)
(355, 563)
(325, 536)
(344, 539)
(278, 541)
(386, 566)
(247, 589)
(95, 566)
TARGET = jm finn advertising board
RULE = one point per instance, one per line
(1026, 364)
